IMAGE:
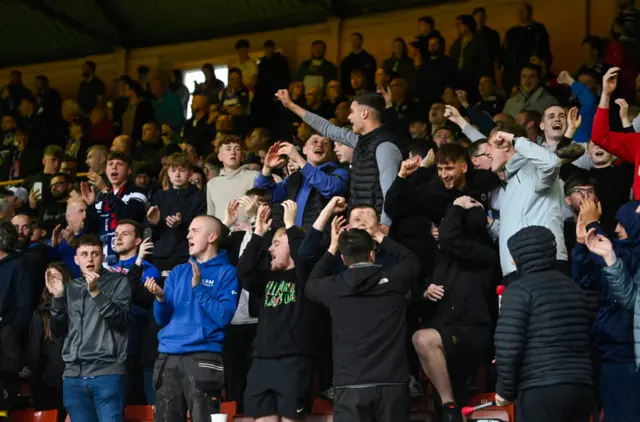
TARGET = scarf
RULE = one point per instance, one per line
(108, 228)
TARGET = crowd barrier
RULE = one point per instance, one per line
(20, 181)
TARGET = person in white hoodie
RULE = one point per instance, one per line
(233, 181)
(533, 195)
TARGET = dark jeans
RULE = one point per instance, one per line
(620, 391)
(147, 379)
(238, 351)
(93, 399)
(555, 403)
(192, 381)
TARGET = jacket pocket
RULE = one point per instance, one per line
(158, 369)
(208, 372)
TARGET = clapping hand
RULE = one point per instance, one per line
(92, 283)
(263, 223)
(53, 281)
(601, 246)
(196, 278)
(173, 220)
(338, 225)
(231, 213)
(434, 293)
(153, 288)
(88, 193)
(290, 212)
(273, 160)
(429, 160)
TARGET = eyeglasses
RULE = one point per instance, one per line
(584, 192)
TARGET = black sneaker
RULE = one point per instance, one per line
(451, 413)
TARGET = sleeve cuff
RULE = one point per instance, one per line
(58, 302)
(101, 299)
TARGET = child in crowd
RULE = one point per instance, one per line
(172, 211)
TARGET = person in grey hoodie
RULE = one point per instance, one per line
(530, 95)
(533, 195)
(91, 314)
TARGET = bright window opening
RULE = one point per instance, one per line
(191, 77)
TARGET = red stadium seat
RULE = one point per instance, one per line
(138, 414)
(505, 414)
(34, 416)
(322, 407)
(229, 408)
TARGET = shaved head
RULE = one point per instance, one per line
(204, 236)
(211, 224)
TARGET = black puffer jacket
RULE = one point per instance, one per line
(542, 337)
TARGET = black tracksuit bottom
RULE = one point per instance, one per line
(555, 403)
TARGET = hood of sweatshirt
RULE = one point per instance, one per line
(630, 220)
(363, 277)
(233, 173)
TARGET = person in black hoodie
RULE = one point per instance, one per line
(459, 336)
(35, 253)
(542, 338)
(281, 372)
(16, 299)
(10, 361)
(172, 211)
(436, 72)
(359, 59)
(431, 195)
(44, 353)
(367, 303)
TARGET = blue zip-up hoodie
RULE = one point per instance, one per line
(65, 253)
(194, 319)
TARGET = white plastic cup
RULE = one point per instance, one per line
(219, 417)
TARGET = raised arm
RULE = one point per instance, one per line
(547, 164)
(620, 144)
(219, 305)
(317, 123)
(115, 309)
(453, 237)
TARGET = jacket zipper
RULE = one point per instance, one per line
(81, 332)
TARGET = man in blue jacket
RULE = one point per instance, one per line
(612, 333)
(197, 303)
(318, 180)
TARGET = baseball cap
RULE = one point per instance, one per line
(375, 101)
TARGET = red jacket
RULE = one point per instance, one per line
(625, 146)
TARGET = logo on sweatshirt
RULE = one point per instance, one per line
(279, 293)
(208, 282)
(384, 281)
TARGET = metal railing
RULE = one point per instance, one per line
(20, 181)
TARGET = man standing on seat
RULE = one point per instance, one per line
(371, 375)
(92, 312)
(197, 303)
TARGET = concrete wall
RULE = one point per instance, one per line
(566, 21)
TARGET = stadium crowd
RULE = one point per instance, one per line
(339, 231)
